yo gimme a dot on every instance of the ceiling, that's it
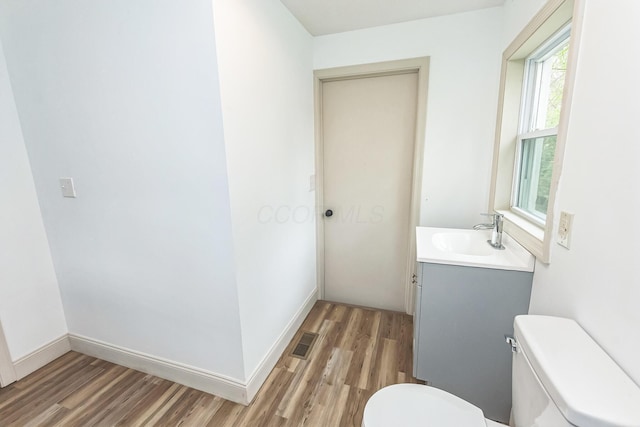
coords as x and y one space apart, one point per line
321 17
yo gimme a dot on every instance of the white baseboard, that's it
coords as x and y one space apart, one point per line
259 376
210 382
42 356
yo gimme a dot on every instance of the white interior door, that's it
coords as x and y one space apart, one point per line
368 133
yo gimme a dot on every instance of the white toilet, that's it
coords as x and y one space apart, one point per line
561 378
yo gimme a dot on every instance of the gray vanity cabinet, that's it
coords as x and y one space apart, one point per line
462 316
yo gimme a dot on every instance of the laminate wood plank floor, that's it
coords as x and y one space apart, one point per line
357 352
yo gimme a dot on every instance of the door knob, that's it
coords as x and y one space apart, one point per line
328 213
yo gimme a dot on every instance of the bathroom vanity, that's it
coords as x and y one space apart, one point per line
467 296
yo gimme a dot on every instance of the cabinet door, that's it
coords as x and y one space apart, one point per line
465 314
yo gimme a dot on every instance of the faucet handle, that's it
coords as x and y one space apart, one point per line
493 216
496 218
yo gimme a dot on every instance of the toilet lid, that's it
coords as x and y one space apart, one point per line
416 405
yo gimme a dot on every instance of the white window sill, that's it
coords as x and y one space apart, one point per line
528 234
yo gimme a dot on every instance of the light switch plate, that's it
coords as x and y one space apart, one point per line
564 229
66 185
312 182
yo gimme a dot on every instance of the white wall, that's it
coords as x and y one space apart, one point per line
465 52
597 281
517 14
30 305
123 97
266 77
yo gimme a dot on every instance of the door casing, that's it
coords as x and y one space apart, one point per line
7 371
419 65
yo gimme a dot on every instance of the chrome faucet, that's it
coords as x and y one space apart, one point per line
496 225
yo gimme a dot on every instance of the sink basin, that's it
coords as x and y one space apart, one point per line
462 243
470 248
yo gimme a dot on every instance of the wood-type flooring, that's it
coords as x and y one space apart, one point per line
357 352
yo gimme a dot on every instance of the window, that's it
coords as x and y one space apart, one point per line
536 83
543 86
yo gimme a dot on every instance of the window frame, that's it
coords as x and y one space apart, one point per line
540 54
527 129
554 16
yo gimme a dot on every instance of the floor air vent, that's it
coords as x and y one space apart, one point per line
303 346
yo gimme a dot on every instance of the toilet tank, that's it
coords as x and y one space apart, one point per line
561 377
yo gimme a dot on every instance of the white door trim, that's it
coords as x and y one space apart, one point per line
7 371
419 65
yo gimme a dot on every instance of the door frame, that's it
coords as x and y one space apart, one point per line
7 371
378 69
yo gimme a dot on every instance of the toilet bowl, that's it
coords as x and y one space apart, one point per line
416 405
561 378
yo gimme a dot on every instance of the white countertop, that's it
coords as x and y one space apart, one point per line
469 248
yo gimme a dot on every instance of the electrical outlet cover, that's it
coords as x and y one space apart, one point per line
564 229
